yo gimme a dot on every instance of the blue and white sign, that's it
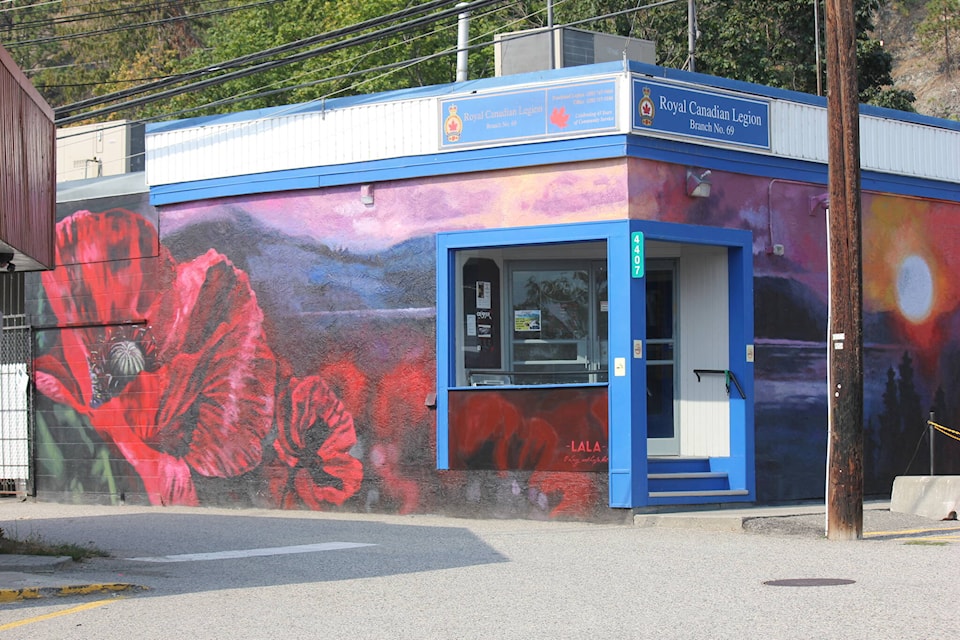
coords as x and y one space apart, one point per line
636 255
559 110
707 115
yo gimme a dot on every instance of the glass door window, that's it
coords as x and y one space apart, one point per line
559 327
661 359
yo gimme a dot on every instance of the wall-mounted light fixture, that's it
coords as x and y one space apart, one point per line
698 183
819 203
366 194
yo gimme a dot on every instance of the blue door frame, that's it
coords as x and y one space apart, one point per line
627 382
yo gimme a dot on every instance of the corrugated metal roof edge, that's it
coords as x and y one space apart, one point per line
677 75
538 154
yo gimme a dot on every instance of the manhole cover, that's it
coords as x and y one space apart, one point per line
808 582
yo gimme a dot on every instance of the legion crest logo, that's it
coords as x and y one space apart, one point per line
453 124
646 108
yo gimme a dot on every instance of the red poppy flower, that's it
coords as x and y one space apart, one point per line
316 433
492 427
191 388
405 431
348 383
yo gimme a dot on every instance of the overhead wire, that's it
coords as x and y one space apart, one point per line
250 58
266 66
386 70
247 96
140 25
127 10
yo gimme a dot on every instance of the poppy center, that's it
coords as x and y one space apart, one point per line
126 358
121 354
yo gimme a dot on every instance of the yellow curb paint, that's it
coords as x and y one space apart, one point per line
31 593
56 614
12 595
87 589
907 532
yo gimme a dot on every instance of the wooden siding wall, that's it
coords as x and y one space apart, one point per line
28 179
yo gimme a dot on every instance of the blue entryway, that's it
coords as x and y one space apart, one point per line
654 319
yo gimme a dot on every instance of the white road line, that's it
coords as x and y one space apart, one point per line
250 553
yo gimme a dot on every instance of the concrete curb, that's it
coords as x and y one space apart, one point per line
32 593
702 522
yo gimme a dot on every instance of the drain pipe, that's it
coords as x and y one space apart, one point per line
463 42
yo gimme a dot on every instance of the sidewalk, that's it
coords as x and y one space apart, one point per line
807 519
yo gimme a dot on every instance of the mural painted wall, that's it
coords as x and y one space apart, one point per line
911 316
279 350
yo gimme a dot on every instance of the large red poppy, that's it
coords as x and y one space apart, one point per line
169 362
316 433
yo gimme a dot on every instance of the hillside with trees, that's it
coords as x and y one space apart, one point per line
147 59
924 41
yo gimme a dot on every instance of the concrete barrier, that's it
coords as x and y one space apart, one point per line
936 497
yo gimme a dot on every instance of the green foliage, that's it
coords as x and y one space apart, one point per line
939 31
68 448
771 43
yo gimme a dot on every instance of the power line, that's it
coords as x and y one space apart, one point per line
265 66
55 18
386 70
245 59
89 84
127 27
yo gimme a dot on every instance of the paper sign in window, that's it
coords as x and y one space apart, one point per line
526 320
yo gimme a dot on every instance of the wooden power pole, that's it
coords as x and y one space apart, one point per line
845 322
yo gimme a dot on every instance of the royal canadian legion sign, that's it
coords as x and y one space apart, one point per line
697 113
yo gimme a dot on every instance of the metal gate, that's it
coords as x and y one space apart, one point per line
16 406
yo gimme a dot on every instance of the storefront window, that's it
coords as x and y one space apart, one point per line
554 326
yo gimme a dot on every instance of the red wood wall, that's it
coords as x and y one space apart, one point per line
28 191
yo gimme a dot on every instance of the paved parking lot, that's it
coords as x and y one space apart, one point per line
210 573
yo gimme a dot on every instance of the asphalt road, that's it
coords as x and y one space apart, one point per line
240 574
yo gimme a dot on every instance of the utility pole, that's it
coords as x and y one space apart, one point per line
845 322
691 35
816 44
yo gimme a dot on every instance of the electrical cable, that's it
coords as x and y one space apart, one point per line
266 66
389 67
249 58
59 19
128 27
328 79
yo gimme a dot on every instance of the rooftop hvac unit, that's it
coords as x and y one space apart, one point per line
540 49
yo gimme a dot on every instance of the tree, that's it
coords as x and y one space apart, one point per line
940 29
73 51
89 48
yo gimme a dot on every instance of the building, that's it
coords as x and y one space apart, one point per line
27 202
95 150
568 293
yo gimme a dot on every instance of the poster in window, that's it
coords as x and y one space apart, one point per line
483 295
481 306
525 320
